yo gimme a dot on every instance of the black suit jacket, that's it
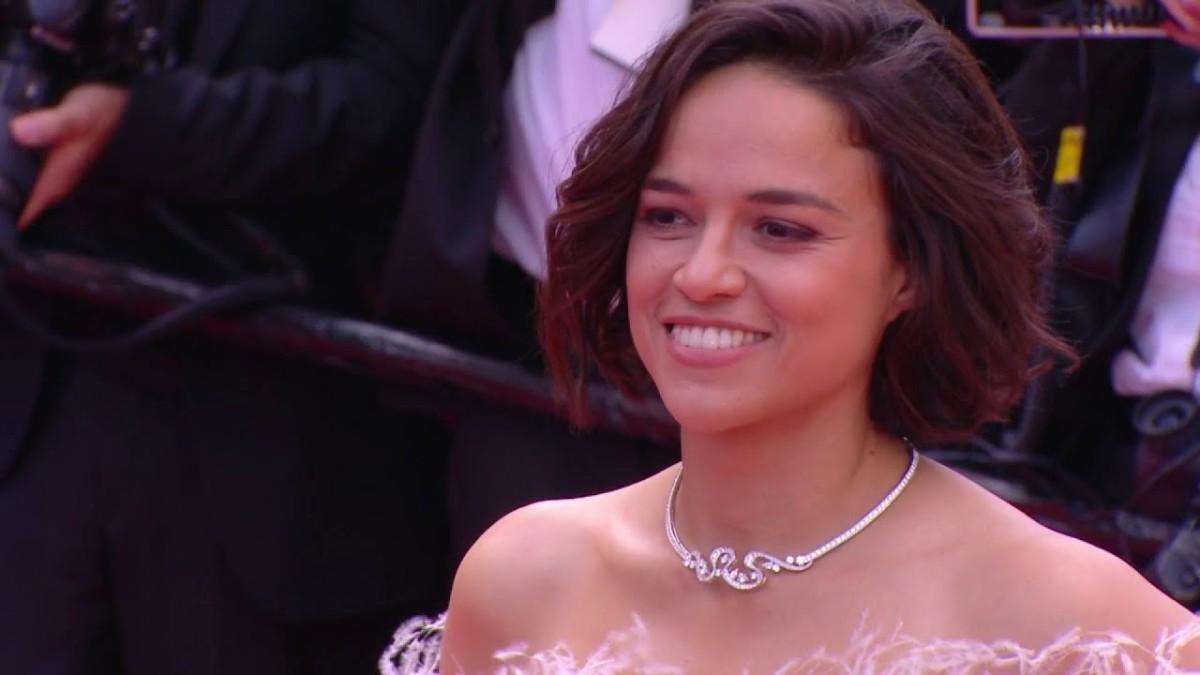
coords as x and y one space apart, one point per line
298 115
440 276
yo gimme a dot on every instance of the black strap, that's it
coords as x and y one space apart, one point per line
1096 246
247 293
241 293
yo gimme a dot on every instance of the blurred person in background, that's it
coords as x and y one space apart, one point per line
1128 272
1112 127
183 508
522 80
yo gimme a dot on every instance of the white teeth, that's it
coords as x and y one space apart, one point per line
711 337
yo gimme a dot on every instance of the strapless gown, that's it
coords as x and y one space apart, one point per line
417 644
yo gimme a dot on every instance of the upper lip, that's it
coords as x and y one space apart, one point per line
680 320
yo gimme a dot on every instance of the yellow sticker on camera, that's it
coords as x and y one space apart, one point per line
1070 155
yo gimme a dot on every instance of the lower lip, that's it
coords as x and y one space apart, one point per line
708 358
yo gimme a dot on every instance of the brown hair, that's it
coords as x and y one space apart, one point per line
964 220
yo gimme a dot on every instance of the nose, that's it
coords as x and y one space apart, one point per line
711 271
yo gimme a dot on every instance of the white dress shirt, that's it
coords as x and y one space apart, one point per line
1167 324
569 72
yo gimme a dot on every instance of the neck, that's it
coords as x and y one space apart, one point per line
784 486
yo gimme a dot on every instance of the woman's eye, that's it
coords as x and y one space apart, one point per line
663 218
777 230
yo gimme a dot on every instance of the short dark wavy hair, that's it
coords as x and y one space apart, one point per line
956 180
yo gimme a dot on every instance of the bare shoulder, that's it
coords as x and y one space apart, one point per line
505 580
1077 584
523 575
1027 581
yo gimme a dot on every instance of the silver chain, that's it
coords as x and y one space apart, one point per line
722 562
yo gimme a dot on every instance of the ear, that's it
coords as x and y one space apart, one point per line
904 295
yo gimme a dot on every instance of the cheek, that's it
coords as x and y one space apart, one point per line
801 297
834 309
637 280
645 279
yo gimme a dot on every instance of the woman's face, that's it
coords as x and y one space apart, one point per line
760 276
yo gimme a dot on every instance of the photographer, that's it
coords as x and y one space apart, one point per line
1139 101
1127 268
185 509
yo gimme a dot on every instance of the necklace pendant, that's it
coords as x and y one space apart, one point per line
747 580
752 573
722 562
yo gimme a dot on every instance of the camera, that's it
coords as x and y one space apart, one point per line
46 46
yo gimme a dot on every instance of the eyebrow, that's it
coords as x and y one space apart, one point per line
774 196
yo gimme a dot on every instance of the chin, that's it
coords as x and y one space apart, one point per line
708 414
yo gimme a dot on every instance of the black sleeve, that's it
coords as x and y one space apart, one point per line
273 135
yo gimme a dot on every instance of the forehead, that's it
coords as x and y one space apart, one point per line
747 127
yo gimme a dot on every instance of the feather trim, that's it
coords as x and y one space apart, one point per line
417 644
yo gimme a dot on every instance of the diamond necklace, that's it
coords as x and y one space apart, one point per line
721 563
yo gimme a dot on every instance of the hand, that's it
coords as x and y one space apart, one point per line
73 134
1184 26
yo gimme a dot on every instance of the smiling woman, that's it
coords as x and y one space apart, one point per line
935 156
807 227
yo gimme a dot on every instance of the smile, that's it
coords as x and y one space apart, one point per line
713 337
